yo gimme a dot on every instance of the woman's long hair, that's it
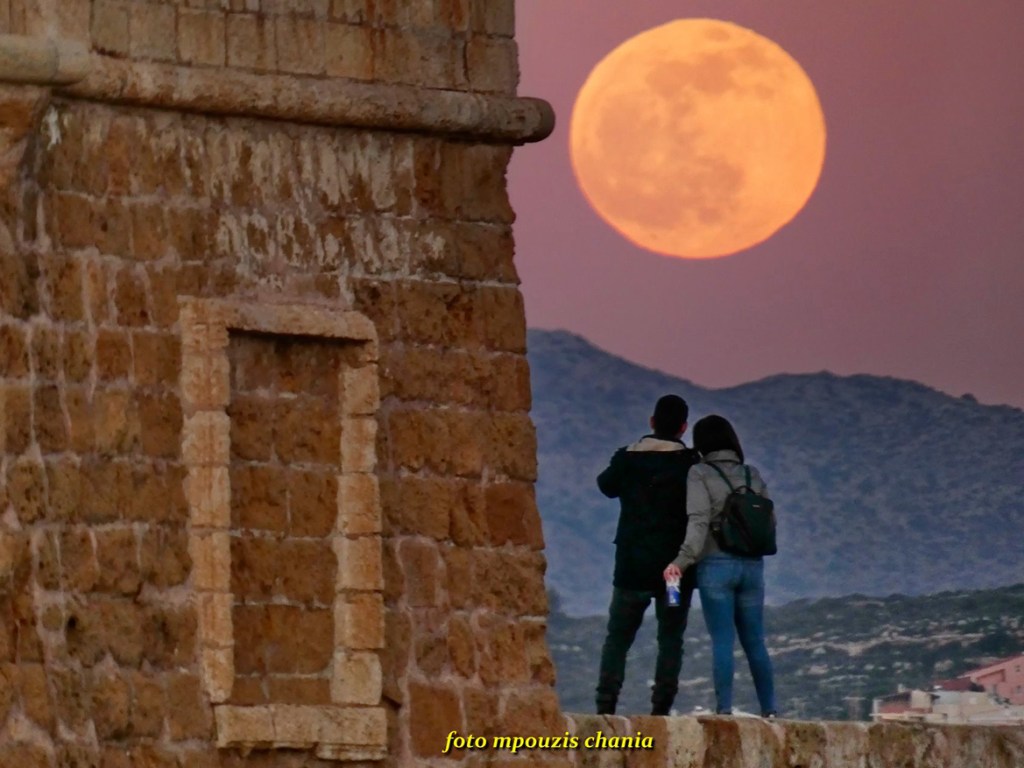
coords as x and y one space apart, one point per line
715 433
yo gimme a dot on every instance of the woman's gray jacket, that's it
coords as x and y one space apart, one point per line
705 498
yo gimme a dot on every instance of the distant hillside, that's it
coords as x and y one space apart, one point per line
831 657
882 486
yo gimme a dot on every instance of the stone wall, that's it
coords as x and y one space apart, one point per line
727 742
266 463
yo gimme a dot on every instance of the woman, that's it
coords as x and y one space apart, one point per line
731 587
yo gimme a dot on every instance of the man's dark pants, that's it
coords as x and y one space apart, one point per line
625 615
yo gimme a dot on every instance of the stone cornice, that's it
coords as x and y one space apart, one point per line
73 72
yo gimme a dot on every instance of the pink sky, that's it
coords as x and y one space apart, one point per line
907 261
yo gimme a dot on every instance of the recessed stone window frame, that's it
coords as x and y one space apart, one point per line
353 726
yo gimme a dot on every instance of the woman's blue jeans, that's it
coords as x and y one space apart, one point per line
732 599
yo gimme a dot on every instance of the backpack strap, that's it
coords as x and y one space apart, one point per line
746 475
722 475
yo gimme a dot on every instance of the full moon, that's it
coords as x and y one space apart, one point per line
697 139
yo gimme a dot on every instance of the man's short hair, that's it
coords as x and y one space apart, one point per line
670 414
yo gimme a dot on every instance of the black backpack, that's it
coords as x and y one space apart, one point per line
746 526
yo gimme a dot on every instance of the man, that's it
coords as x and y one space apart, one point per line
649 479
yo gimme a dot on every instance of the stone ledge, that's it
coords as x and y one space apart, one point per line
42 62
339 733
70 67
703 742
486 118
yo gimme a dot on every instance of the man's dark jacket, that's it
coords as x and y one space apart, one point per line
649 479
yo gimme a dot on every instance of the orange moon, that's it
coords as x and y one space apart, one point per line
697 139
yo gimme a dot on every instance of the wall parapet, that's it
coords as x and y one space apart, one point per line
484 117
725 742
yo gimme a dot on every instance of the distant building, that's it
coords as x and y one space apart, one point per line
1004 678
990 695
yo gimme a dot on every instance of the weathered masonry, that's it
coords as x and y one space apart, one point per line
266 461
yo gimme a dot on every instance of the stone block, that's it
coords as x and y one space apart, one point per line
250 42
205 382
359 621
117 552
26 490
436 313
15 418
151 31
306 430
252 427
360 389
14 361
208 490
313 503
468 521
259 499
509 582
35 698
462 646
78 356
63 281
419 440
130 297
538 656
467 431
283 639
512 515
300 45
359 563
503 318
79 566
163 556
113 354
150 236
206 439
244 725
348 51
358 504
50 425
353 725
297 690
423 506
357 678
218 673
111 706
492 64
421 565
160 421
480 706
295 725
502 651
115 421
147 713
536 711
493 17
211 561
214 614
301 571
201 37
513 446
434 711
110 27
458 576
358 444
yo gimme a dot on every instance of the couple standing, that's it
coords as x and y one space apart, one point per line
671 500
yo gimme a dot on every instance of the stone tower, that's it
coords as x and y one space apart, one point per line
266 463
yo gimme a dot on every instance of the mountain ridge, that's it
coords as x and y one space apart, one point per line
879 481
